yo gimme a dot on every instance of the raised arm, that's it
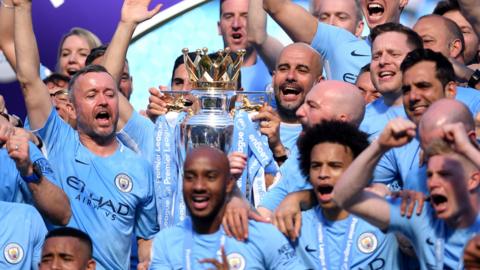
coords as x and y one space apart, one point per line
349 191
471 11
6 31
35 92
267 46
133 13
49 199
299 24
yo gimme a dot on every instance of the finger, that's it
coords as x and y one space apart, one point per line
421 202
252 214
154 11
212 261
280 225
244 221
403 204
239 226
226 228
231 225
298 223
288 220
224 256
411 206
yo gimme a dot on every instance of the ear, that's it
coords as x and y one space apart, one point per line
402 4
230 184
319 79
455 48
91 265
474 181
343 118
450 90
359 28
219 30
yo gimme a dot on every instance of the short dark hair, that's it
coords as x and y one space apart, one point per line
445 6
364 69
332 131
413 39
85 70
443 68
95 53
56 78
72 232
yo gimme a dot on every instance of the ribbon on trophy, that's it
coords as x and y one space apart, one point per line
167 166
248 140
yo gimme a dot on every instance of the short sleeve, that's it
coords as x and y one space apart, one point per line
159 258
138 134
146 224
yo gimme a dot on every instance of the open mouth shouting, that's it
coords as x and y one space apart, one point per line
325 191
374 14
386 75
290 91
103 117
439 203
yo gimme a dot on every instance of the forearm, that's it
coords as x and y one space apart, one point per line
144 250
471 11
6 32
297 22
114 61
36 95
472 154
357 176
51 201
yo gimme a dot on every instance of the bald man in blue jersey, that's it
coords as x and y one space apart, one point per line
207 184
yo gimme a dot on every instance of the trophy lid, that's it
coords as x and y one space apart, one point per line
217 71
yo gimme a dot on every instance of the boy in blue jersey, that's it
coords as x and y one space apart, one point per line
27 177
109 186
330 237
441 231
21 236
207 184
67 248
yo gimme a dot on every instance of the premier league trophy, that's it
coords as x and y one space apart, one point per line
214 83
206 115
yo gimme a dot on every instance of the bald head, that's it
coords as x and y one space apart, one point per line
443 111
441 34
216 156
312 57
332 100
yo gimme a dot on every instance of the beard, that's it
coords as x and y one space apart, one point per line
286 114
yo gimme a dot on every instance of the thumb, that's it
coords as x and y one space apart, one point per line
154 11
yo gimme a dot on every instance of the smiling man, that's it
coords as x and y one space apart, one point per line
207 184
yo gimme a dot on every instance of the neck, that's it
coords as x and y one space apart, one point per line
335 213
392 98
208 225
100 147
250 57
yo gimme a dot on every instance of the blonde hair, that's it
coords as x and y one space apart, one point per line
92 40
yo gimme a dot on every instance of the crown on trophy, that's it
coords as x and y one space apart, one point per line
220 73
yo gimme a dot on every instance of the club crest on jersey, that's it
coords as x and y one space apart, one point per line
123 182
367 242
236 261
13 253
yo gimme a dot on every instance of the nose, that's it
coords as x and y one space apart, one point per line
301 111
186 85
331 20
72 58
324 173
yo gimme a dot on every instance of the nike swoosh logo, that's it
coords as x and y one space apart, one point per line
307 249
354 53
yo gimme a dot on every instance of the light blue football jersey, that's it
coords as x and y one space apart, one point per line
377 115
255 77
111 197
289 134
22 234
368 247
12 187
344 54
437 245
265 248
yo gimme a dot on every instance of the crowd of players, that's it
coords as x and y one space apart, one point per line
375 138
